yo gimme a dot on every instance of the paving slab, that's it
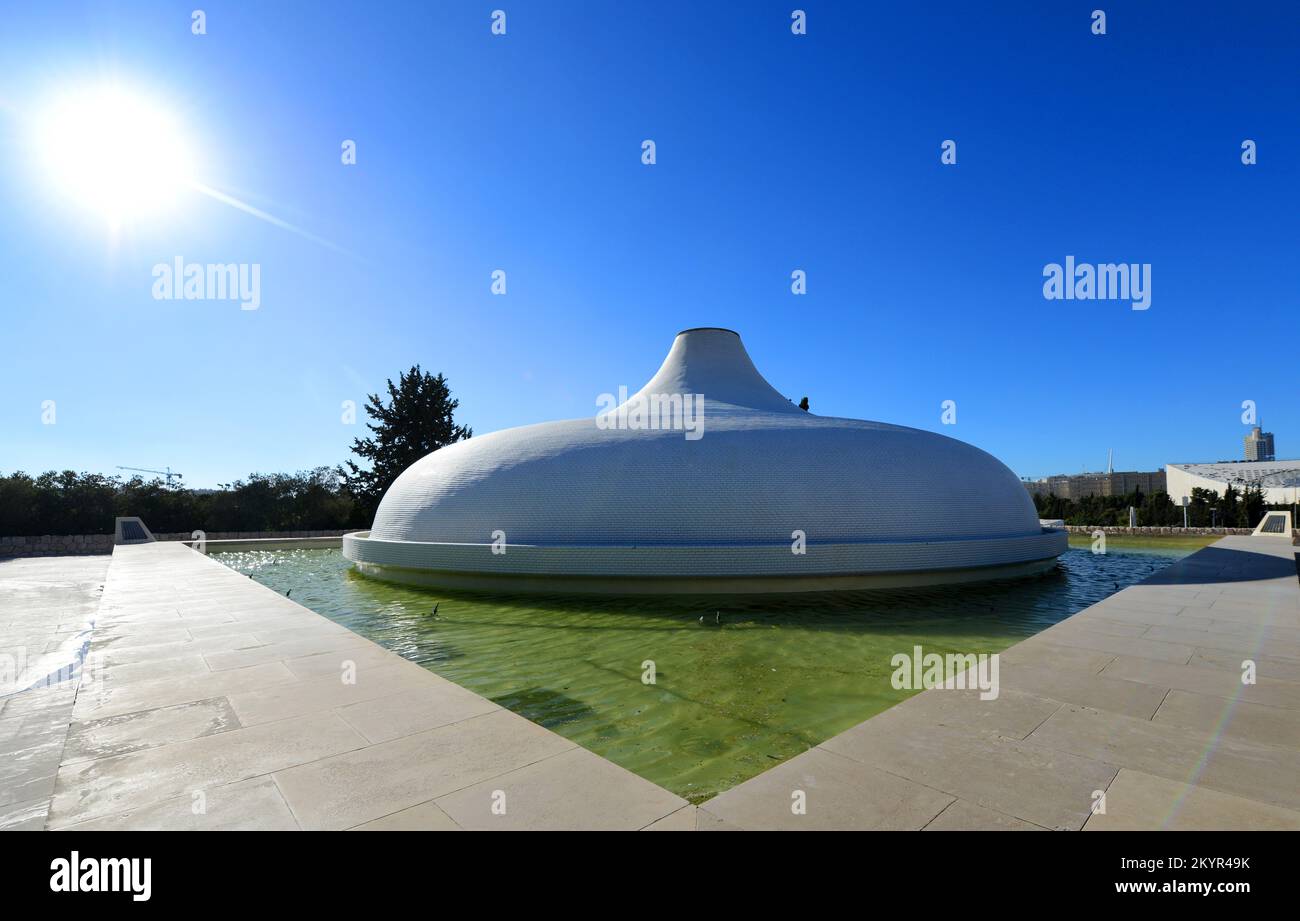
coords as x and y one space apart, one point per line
210 701
100 701
312 695
124 673
1082 637
25 816
1265 666
393 716
1260 772
824 791
1205 680
1250 722
1138 697
707 821
380 779
682 820
1035 783
1012 715
130 732
319 665
1046 654
574 790
1254 643
1102 690
964 816
249 805
109 653
424 817
1143 802
122 783
1087 623
47 608
28 773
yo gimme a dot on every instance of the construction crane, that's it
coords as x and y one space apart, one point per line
166 474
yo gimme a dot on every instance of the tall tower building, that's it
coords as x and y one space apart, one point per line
1259 445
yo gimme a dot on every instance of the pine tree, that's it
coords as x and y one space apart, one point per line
418 420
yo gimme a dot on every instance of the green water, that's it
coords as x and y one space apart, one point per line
740 684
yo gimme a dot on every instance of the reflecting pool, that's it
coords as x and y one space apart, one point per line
739 685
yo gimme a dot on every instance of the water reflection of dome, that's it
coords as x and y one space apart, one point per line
662 494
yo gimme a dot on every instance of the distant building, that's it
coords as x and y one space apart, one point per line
1116 483
1280 480
1259 445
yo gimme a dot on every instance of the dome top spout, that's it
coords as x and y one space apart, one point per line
713 362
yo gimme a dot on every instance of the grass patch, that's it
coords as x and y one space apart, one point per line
1149 541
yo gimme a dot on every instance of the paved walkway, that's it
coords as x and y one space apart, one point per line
209 701
47 605
1139 697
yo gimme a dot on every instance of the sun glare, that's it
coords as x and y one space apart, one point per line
114 152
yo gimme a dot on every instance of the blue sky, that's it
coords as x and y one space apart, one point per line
775 152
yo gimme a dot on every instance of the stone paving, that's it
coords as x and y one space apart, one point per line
1139 697
46 611
209 701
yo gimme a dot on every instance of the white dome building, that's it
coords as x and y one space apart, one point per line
737 490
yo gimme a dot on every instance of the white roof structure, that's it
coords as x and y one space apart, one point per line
1280 480
736 490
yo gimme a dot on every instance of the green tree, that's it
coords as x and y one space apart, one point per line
1160 511
66 502
1254 505
418 420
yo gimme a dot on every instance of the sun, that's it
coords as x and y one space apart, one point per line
114 152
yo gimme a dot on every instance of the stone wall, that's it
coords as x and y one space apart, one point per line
1170 532
82 544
